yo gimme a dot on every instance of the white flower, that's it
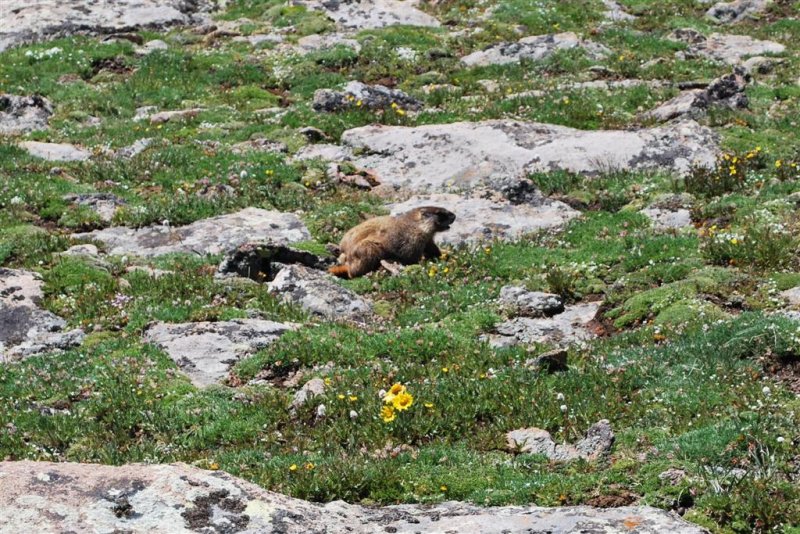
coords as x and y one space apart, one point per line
560 396
766 391
781 439
353 414
243 174
15 201
564 408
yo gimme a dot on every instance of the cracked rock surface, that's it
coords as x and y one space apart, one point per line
177 498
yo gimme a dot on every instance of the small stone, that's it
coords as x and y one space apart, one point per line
792 296
360 95
736 11
313 135
598 442
551 362
673 476
150 47
311 389
533 48
166 116
531 303
134 149
144 112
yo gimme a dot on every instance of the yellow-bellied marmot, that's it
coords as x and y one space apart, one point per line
404 238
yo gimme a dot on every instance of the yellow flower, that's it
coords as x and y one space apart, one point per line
429 405
733 171
353 398
488 250
778 164
403 401
388 414
432 272
309 466
327 381
213 466
359 103
394 391
758 149
340 396
293 467
445 369
443 487
394 105
400 111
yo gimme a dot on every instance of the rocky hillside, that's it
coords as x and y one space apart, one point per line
611 339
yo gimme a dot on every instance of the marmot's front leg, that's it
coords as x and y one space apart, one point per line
431 251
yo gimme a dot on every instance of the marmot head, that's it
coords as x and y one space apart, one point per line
434 218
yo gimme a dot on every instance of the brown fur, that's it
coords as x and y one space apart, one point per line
405 238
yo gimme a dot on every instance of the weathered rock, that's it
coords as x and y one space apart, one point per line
134 149
144 112
69 497
25 22
259 145
499 154
25 328
665 219
357 94
151 46
533 48
22 114
792 296
372 14
598 441
105 205
736 11
672 476
761 65
483 219
55 151
615 13
260 38
261 261
727 91
326 41
166 116
731 49
311 389
594 85
551 361
318 293
568 327
530 303
208 236
206 351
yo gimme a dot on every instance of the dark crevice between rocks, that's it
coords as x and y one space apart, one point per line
262 261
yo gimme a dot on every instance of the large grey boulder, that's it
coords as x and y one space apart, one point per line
177 498
357 94
22 114
372 14
533 48
482 219
55 151
215 235
570 326
24 22
723 47
598 441
25 328
499 154
206 351
736 11
615 13
318 293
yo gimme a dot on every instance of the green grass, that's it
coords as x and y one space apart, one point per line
689 315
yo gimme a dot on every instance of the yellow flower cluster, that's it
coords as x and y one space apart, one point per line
397 109
396 400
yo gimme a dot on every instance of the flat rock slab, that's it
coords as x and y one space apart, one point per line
481 219
318 293
723 47
372 14
55 151
792 296
177 498
499 154
530 303
568 327
206 351
22 114
215 235
25 328
105 205
24 22
534 48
